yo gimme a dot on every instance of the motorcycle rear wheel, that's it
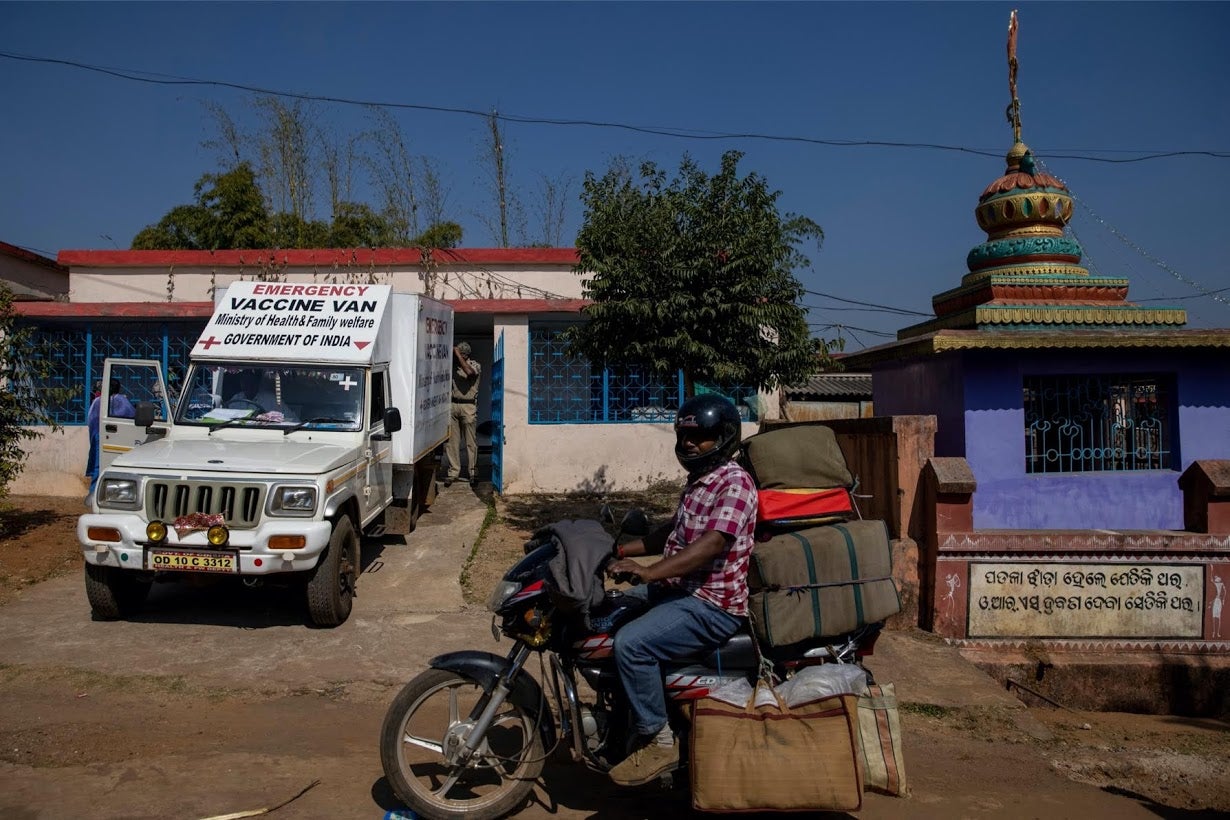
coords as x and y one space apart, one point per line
427 720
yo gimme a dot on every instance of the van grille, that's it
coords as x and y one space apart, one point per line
240 504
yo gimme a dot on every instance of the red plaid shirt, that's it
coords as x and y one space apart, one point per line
723 500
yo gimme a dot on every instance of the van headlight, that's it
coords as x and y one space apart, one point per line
119 492
294 500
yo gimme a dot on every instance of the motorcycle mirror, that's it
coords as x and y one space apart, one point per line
635 522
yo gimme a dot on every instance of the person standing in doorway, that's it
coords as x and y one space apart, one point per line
463 419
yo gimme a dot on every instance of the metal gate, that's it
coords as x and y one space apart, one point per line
497 416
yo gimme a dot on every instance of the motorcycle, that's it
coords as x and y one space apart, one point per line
469 736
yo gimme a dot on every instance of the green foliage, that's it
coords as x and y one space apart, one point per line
229 212
23 401
696 272
439 235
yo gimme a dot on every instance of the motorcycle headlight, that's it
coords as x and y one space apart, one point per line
118 492
502 592
293 501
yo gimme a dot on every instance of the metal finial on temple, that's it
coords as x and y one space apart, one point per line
1014 108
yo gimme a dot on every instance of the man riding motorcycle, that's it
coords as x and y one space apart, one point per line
698 591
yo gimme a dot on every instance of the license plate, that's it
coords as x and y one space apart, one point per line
186 561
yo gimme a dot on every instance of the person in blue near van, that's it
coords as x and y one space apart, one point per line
119 407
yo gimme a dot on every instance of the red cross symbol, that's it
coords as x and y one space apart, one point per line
211 341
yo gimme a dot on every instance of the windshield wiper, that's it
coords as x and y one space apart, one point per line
317 420
213 428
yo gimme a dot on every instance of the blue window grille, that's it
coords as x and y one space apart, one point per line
76 351
1083 424
565 389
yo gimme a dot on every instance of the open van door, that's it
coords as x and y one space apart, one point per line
131 388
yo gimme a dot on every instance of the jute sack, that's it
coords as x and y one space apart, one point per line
821 582
804 455
879 743
781 758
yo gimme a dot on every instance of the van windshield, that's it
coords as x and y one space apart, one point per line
240 394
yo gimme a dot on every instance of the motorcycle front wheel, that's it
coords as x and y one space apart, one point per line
421 745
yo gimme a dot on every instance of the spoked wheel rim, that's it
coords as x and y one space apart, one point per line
430 751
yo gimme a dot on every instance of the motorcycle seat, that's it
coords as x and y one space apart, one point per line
738 652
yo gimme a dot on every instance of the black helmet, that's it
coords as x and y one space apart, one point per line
715 416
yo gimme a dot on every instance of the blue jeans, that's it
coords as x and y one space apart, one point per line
676 626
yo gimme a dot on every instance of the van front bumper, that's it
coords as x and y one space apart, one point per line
250 547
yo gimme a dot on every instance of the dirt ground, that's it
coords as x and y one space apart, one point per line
61 717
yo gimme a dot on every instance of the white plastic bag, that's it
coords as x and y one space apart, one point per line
812 683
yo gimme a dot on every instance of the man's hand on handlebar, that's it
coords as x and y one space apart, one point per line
627 571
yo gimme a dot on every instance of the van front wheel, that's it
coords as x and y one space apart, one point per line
331 587
114 592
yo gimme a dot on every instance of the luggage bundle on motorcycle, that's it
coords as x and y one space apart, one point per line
816 575
801 476
821 582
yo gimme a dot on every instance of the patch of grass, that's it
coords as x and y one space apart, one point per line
927 710
467 568
85 680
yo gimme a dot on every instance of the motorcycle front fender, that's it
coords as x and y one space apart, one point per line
484 668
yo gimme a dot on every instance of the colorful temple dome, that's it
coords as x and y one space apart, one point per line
1027 275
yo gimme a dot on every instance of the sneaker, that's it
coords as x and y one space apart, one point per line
448 482
647 763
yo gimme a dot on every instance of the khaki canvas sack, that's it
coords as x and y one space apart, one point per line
782 758
879 743
821 582
804 455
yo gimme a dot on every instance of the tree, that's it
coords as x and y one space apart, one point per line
695 273
24 401
507 218
229 213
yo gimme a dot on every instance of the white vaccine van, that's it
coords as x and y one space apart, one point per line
310 415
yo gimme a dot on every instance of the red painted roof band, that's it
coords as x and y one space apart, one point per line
324 257
31 257
203 310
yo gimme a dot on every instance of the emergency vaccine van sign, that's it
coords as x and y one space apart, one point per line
281 320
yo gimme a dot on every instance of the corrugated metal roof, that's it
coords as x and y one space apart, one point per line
832 385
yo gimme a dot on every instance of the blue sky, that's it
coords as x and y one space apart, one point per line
84 156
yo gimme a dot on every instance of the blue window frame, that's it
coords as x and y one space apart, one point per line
565 389
77 350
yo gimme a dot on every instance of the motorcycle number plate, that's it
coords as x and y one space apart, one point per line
495 630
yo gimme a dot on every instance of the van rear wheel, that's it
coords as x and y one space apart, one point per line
114 593
331 587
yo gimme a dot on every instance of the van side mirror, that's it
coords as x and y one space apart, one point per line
145 415
392 420
392 423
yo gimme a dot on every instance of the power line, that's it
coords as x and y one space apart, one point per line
818 326
868 304
1180 298
682 133
1212 294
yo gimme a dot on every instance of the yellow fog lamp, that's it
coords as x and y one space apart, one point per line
218 535
156 531
287 542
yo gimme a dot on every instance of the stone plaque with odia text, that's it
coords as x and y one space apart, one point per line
1064 600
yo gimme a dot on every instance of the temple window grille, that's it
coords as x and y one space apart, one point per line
1086 424
565 389
77 350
